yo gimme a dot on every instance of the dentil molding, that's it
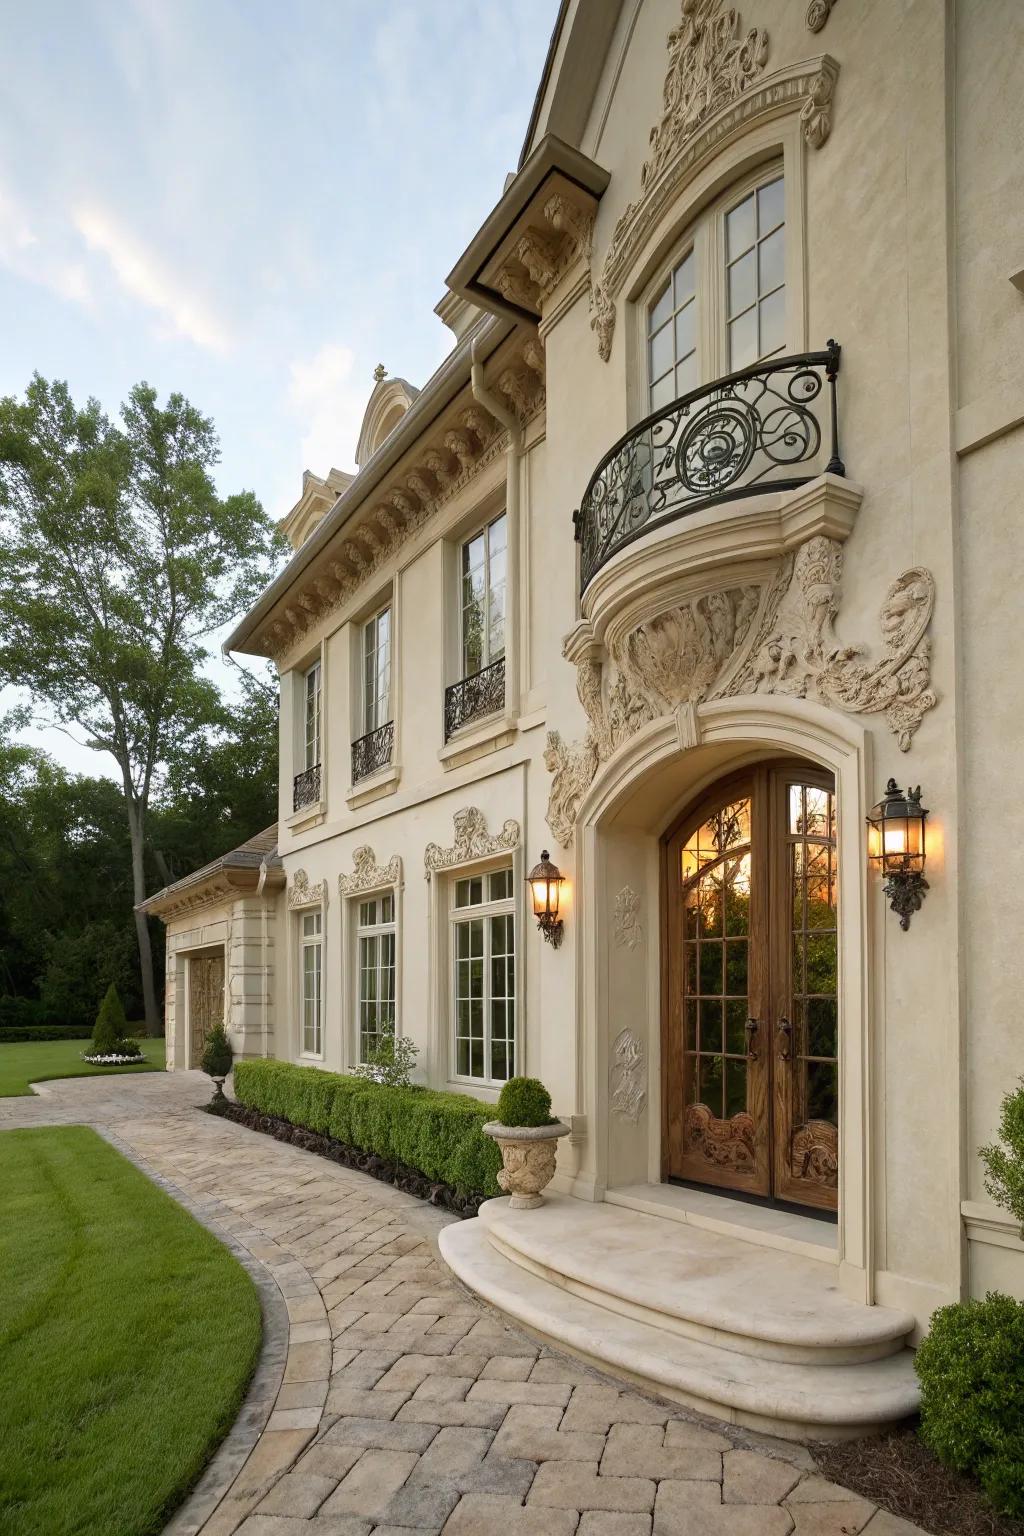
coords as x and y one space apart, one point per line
776 635
368 875
472 842
715 85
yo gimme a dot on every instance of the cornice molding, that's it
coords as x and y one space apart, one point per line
472 842
368 875
459 447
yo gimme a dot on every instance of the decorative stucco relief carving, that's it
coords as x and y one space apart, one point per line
472 841
715 83
798 653
367 874
775 638
818 12
304 893
628 1076
629 933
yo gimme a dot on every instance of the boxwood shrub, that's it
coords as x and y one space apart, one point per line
971 1370
440 1134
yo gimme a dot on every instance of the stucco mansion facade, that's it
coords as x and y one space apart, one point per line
708 526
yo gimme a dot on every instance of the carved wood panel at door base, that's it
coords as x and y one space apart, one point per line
815 1153
724 1143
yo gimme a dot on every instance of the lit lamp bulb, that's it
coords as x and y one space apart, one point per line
896 848
545 881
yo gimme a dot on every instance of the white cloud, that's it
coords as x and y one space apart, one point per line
142 274
23 253
330 402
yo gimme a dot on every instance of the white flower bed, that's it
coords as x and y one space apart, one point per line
115 1059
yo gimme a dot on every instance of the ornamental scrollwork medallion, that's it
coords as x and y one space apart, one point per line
472 841
629 933
818 12
628 1076
306 893
368 875
774 637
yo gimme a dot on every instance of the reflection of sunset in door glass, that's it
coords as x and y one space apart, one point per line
716 921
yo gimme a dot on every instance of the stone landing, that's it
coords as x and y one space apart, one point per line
755 1336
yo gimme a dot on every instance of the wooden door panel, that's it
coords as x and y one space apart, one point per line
751 1015
718 1098
205 999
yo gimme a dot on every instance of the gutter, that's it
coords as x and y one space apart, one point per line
439 390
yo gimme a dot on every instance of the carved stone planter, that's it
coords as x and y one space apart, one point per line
528 1153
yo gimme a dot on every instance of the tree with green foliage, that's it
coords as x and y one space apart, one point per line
118 560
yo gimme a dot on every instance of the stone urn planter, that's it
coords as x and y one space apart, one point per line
528 1153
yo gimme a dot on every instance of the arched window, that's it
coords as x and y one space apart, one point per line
722 304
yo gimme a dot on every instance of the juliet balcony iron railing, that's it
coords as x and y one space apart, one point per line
473 697
739 436
306 788
372 752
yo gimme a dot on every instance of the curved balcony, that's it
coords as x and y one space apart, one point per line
740 436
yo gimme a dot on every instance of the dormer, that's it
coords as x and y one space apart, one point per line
388 403
317 499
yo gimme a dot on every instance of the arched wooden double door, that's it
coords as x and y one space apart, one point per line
751 1018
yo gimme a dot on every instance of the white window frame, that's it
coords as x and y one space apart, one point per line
312 738
376 709
378 930
705 235
485 911
487 659
309 942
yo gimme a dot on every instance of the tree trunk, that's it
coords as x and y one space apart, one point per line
154 1013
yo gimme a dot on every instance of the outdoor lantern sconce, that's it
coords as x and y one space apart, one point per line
545 881
896 848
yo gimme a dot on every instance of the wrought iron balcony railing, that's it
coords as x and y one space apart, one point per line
306 788
739 436
372 752
473 697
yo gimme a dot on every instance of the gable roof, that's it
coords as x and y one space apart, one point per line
239 868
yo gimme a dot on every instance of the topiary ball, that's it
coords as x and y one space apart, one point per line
524 1101
971 1370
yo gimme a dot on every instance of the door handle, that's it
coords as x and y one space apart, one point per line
786 1031
752 1027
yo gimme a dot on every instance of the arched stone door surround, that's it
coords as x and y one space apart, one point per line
637 795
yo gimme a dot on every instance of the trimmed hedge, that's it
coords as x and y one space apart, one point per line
30 1013
440 1134
12 1036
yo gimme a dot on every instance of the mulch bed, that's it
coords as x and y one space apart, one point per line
409 1180
899 1473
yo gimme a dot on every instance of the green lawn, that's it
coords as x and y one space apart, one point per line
38 1061
128 1335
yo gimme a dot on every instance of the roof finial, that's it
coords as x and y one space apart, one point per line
380 373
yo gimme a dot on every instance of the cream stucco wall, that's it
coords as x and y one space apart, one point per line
904 227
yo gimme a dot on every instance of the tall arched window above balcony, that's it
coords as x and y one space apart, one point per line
720 302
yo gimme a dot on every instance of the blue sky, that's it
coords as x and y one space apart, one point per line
251 202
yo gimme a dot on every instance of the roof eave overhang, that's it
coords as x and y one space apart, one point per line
552 164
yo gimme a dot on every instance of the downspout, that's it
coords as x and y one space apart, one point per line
264 961
513 478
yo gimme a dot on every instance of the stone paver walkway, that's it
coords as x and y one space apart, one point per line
397 1404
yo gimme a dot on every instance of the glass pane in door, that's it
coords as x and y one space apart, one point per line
715 867
814 954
